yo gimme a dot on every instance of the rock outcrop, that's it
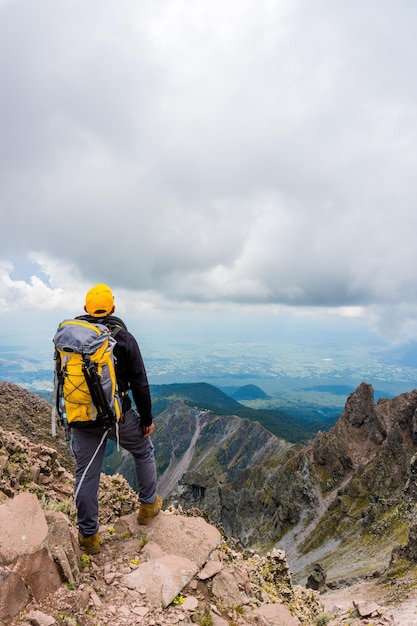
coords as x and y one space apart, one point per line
37 552
354 485
177 569
25 413
342 502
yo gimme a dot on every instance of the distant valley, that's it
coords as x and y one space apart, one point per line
288 425
278 384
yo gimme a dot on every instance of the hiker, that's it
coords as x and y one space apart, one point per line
133 431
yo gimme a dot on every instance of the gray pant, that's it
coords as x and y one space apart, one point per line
85 442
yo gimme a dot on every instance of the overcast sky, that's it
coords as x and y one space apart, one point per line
217 156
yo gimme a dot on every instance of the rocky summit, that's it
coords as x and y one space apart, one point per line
347 499
342 509
180 569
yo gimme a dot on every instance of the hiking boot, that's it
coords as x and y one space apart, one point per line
89 545
148 511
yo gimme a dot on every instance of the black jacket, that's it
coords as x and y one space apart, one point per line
130 369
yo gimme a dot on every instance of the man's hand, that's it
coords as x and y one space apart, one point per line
148 430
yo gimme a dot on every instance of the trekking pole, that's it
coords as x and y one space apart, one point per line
59 415
63 422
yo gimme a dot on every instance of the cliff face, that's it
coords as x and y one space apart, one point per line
203 449
364 475
347 499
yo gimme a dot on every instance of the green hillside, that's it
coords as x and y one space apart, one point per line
201 395
283 424
249 392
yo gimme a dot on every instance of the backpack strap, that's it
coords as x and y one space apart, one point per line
113 323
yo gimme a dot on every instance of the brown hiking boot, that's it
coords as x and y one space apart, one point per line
89 545
148 511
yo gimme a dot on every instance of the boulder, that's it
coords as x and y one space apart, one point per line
161 579
39 572
34 557
63 546
210 569
23 528
177 548
14 594
317 578
275 615
191 537
230 586
367 609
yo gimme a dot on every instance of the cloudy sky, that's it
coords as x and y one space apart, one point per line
211 160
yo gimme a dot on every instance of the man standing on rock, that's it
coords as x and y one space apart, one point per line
134 429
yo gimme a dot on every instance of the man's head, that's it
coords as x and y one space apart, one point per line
99 301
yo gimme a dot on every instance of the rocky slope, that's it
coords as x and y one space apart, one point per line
214 445
180 569
347 501
30 416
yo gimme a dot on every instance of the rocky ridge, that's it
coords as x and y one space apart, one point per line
346 500
25 413
180 569
99 597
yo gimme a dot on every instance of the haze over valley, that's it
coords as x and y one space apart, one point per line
294 376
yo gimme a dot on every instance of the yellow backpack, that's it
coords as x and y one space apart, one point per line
85 378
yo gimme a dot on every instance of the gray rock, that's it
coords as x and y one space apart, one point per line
228 586
275 615
37 618
162 579
14 594
366 609
23 528
317 578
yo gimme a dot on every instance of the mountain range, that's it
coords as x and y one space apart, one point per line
346 499
288 425
297 425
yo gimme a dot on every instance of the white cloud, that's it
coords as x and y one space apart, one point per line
245 153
